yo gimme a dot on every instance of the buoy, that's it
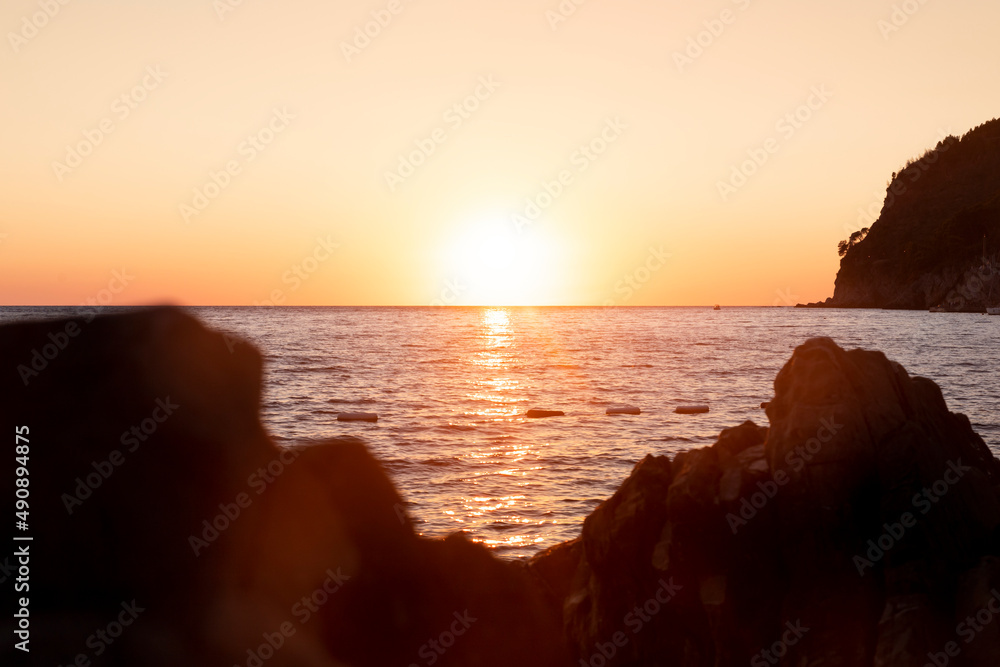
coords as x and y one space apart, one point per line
623 410
691 409
357 417
539 414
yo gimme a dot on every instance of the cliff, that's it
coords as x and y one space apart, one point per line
926 249
859 529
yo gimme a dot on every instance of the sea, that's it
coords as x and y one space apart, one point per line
451 387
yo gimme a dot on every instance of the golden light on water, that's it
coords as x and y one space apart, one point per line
496 318
498 398
501 393
512 542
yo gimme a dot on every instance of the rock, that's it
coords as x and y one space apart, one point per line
977 600
219 538
127 535
691 409
910 629
555 569
821 523
357 417
541 414
734 441
617 542
623 410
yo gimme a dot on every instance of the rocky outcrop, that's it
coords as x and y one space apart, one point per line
155 493
860 528
936 242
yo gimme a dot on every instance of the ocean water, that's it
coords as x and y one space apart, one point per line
451 386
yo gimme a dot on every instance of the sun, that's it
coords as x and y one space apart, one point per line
498 265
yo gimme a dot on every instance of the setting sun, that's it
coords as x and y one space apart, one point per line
493 264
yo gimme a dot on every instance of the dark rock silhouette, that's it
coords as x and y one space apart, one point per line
860 529
926 249
221 538
153 485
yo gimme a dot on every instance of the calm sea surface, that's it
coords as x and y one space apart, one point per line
450 387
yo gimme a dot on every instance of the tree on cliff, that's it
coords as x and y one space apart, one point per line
856 238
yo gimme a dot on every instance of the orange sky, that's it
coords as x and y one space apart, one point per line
235 152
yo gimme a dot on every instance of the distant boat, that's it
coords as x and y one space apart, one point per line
993 311
938 309
717 307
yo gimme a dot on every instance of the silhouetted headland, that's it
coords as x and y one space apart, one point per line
936 243
859 529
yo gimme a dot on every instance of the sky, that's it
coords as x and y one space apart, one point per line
418 152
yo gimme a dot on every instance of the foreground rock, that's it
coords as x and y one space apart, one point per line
860 529
154 486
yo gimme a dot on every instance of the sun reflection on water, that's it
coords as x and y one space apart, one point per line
503 462
494 391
